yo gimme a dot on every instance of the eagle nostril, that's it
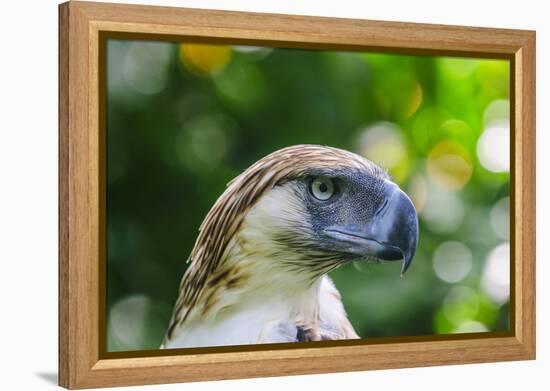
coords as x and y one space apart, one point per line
381 209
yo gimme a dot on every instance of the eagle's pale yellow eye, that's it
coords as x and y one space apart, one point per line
322 188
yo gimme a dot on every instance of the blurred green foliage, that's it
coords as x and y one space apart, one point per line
183 120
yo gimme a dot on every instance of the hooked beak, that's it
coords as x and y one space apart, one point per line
391 235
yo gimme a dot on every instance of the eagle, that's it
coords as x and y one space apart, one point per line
258 270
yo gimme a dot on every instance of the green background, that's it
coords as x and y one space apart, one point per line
183 120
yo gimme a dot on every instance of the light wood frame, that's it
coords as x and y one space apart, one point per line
82 362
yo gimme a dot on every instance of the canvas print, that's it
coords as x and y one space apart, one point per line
261 195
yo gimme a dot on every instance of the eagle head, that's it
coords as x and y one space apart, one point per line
324 207
281 225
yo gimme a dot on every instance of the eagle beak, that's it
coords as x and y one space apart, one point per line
395 228
391 235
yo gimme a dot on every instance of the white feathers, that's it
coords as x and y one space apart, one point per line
278 212
270 315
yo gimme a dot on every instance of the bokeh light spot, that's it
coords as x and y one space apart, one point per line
495 279
129 321
382 143
145 66
418 191
452 261
471 326
457 68
493 147
456 128
242 85
415 100
500 218
203 142
497 110
449 165
253 52
205 60
443 211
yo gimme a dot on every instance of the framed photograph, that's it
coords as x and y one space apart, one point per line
247 195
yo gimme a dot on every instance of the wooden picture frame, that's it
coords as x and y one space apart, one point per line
83 28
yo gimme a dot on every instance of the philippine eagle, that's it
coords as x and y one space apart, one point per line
258 270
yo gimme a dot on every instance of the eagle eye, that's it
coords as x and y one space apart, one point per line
322 188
